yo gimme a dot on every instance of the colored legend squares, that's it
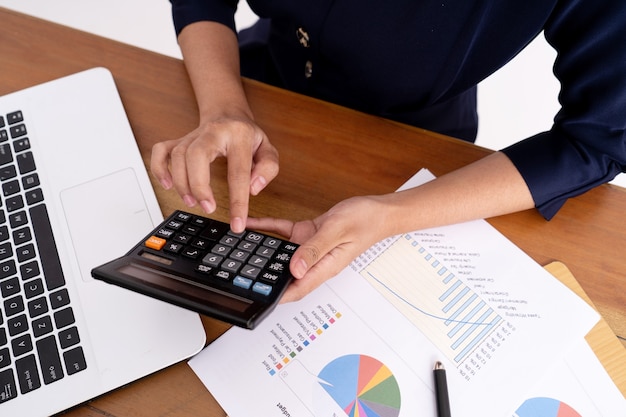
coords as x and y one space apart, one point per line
291 339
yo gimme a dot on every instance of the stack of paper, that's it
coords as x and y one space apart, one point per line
510 335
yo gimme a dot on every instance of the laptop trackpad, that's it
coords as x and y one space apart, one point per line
106 218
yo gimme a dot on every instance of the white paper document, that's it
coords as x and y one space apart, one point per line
365 342
575 386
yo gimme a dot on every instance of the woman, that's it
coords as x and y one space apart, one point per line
417 62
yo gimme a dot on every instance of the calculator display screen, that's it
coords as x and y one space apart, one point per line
171 282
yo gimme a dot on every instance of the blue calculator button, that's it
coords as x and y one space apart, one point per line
242 282
261 288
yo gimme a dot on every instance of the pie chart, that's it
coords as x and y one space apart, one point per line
545 407
362 386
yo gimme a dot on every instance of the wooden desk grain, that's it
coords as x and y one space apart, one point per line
328 153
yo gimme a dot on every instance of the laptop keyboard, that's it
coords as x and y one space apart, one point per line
39 339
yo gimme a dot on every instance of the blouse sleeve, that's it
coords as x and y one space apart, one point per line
185 12
587 143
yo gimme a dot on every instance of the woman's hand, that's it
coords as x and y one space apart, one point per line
184 164
329 242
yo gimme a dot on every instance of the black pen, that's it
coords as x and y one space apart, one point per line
441 390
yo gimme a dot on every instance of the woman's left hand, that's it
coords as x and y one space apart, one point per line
329 242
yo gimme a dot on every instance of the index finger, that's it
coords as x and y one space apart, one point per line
239 169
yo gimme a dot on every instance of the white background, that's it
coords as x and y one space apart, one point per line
516 102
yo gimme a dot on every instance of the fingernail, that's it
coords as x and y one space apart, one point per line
258 185
237 225
207 206
300 268
189 200
165 183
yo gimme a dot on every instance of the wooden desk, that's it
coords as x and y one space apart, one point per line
327 154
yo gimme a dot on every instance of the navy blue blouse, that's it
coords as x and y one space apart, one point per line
419 62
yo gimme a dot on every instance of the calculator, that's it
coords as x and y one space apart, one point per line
198 263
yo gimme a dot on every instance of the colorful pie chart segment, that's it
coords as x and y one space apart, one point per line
362 386
545 407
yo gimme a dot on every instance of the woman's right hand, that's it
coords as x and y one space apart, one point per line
184 164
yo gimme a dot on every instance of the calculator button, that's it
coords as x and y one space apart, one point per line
200 222
173 247
181 238
290 247
258 261
212 259
220 249
254 237
156 243
215 231
242 282
270 276
231 266
173 224
283 257
204 269
265 252
250 271
200 243
183 217
192 253
272 242
164 233
240 255
247 246
229 240
276 267
262 288
191 230
225 275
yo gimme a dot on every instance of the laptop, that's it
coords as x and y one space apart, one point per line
75 194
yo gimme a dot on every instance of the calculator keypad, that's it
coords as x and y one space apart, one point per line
250 261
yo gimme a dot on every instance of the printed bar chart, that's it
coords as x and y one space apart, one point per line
449 313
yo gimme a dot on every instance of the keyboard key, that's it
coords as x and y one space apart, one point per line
18 131
25 162
29 270
42 326
30 181
7 172
14 203
21 145
21 236
59 298
8 390
5 357
18 219
15 117
17 325
69 337
64 318
6 250
22 345
33 288
7 269
11 187
6 154
50 360
74 360
50 263
34 196
14 305
37 307
27 374
9 287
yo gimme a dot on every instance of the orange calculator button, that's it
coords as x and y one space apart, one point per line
154 242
